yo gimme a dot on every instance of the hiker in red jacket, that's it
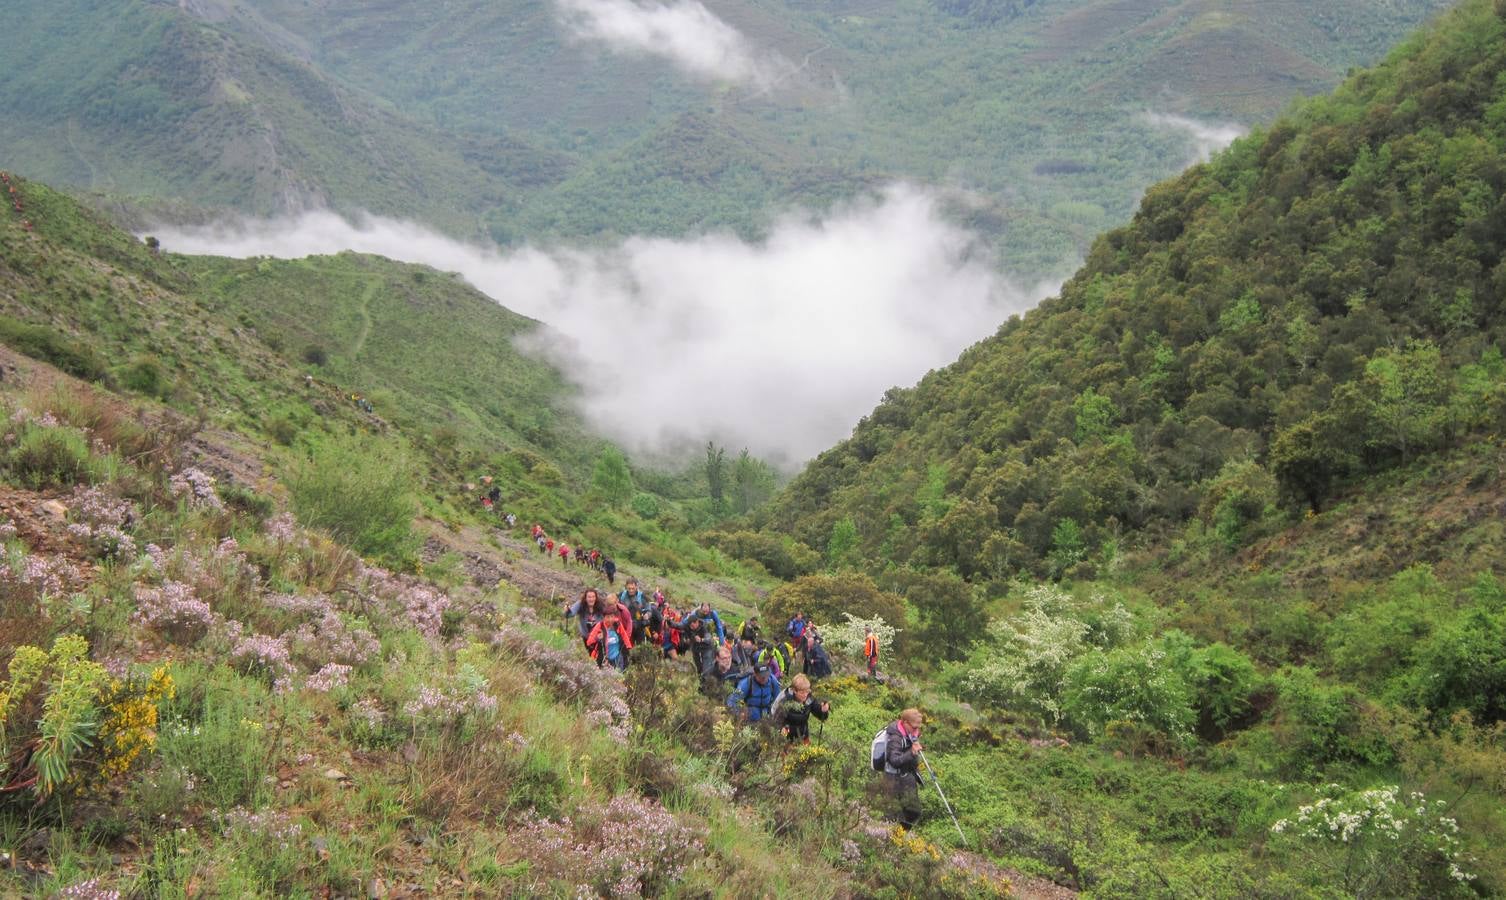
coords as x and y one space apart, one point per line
564 554
609 643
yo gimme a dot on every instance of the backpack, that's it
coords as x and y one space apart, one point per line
879 752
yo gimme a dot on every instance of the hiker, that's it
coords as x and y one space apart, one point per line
870 650
637 604
564 554
588 610
512 520
817 663
901 765
654 620
794 708
777 655
494 495
596 559
720 675
756 693
609 567
706 614
537 532
796 627
609 643
750 629
669 632
693 632
744 656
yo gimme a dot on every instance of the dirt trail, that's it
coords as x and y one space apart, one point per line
512 559
372 286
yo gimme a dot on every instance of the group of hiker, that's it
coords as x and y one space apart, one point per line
745 669
752 673
15 200
592 559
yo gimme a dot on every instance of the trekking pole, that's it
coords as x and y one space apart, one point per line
937 783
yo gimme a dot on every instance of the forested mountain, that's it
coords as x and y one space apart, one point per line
485 118
1319 303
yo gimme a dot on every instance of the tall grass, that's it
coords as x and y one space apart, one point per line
360 492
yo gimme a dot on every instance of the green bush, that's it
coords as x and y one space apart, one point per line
242 499
1222 681
147 375
358 491
646 506
826 597
1321 725
53 456
41 342
782 556
1462 666
1138 685
283 430
1238 501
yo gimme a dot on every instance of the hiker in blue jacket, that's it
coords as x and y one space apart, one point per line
757 693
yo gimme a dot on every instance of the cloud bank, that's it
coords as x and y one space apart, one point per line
1207 137
779 345
684 32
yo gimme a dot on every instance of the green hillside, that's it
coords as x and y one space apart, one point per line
144 99
1196 570
284 352
491 118
233 341
1316 305
426 346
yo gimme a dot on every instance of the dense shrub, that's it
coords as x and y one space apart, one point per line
359 492
781 556
147 375
646 506
826 598
52 455
1322 725
1137 685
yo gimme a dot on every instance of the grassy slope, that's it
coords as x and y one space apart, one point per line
429 349
212 326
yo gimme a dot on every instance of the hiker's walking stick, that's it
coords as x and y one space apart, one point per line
944 802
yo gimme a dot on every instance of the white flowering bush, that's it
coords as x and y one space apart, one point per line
1379 841
847 637
1024 659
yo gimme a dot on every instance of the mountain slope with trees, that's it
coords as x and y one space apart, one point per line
1319 303
492 120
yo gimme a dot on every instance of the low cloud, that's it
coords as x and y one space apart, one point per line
1207 137
684 32
779 345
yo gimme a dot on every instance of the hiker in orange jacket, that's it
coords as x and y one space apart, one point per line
871 650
